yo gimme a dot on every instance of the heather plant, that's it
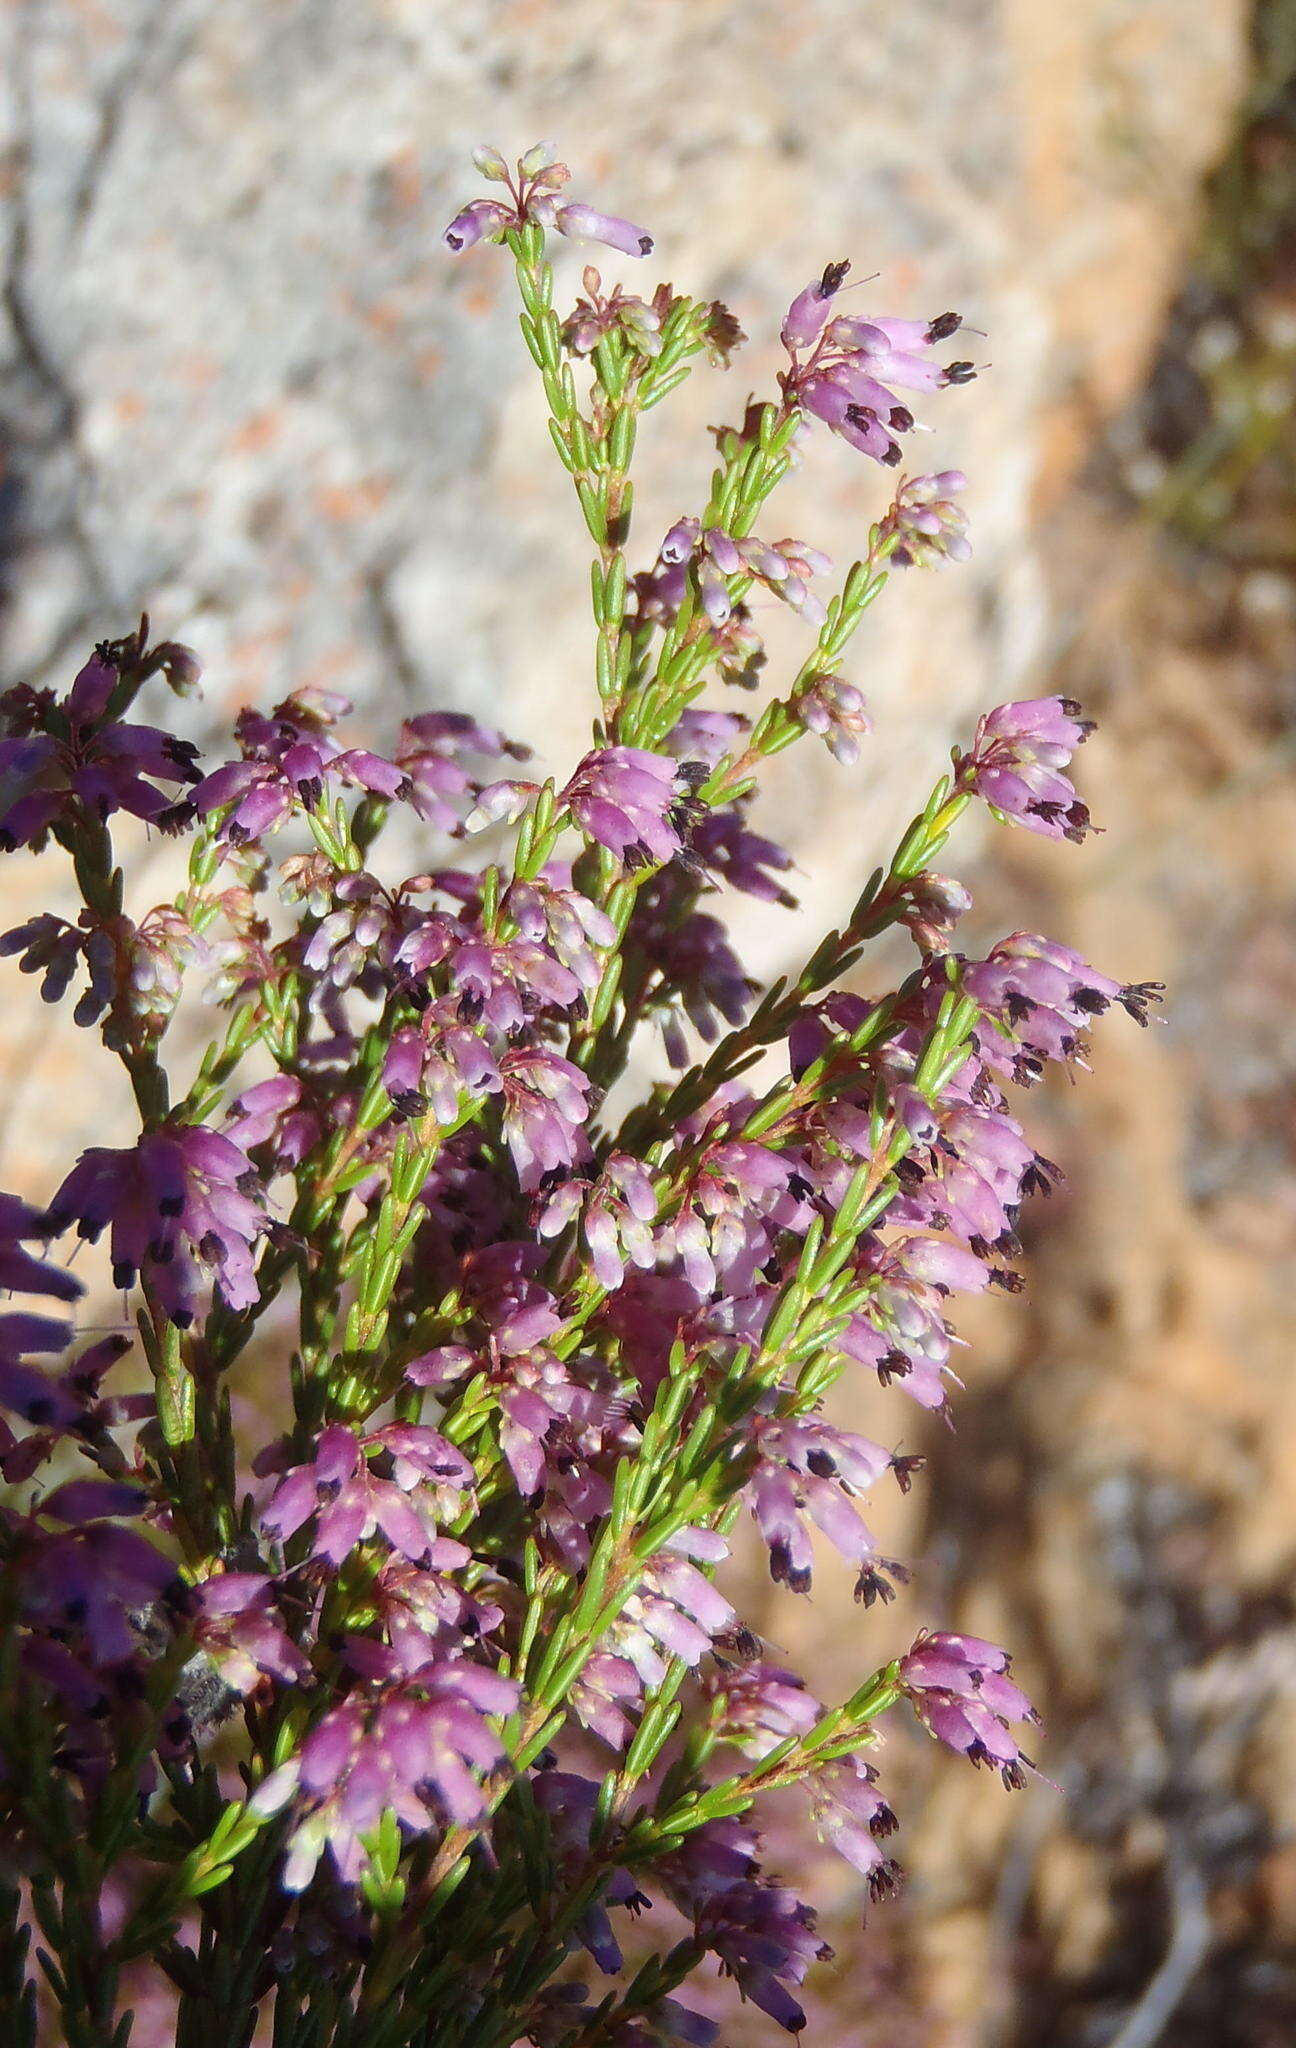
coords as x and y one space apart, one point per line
430 1720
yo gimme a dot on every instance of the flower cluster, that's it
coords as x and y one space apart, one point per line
844 367
535 187
365 1580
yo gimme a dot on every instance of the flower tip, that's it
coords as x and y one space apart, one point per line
490 163
542 156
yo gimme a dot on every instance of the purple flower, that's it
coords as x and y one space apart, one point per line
437 1063
397 1481
569 1805
737 648
722 843
808 1469
183 1203
480 220
288 759
546 1103
854 1818
931 906
1043 997
803 322
534 1391
784 567
835 710
236 1623
925 524
504 982
847 379
969 1177
51 947
353 936
675 1611
664 2024
1016 765
93 1582
156 955
739 1196
758 1706
582 1451
586 224
761 1934
607 1692
617 1214
567 922
703 735
58 1403
903 1334
274 1113
417 1752
533 187
631 801
23 1271
424 1611
72 754
24 1389
962 1693
695 969
428 754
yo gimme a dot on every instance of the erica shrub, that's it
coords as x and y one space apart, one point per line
392 1729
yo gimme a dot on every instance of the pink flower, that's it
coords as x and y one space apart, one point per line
182 1203
925 524
236 1622
631 801
546 1102
835 710
961 1691
1016 765
854 1818
850 377
417 1751
344 1489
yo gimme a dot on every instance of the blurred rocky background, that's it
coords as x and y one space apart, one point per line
244 388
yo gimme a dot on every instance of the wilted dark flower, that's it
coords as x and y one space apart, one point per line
616 312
